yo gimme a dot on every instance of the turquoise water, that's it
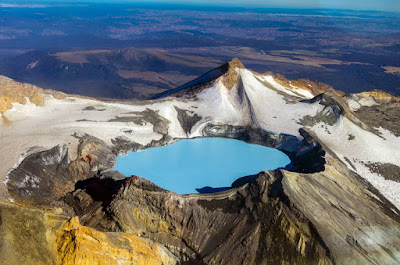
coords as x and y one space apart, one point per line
192 164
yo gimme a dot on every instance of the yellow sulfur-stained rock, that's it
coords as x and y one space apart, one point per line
376 94
78 244
33 236
15 92
230 77
27 235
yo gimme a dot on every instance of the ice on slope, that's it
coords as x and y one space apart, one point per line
251 102
216 105
259 105
272 111
364 148
357 103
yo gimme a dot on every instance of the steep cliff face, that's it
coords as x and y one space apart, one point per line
337 204
343 210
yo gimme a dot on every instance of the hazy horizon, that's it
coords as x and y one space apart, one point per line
361 5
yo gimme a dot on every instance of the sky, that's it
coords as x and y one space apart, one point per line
378 5
381 5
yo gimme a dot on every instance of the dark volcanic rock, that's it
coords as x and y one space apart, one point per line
386 170
254 224
187 119
307 155
159 122
41 177
208 189
384 115
227 71
45 177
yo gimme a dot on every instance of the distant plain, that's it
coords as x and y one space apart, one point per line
138 50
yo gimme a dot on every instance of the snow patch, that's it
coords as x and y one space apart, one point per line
367 102
353 105
364 148
305 93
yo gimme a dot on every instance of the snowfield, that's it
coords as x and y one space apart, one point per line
255 100
364 148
